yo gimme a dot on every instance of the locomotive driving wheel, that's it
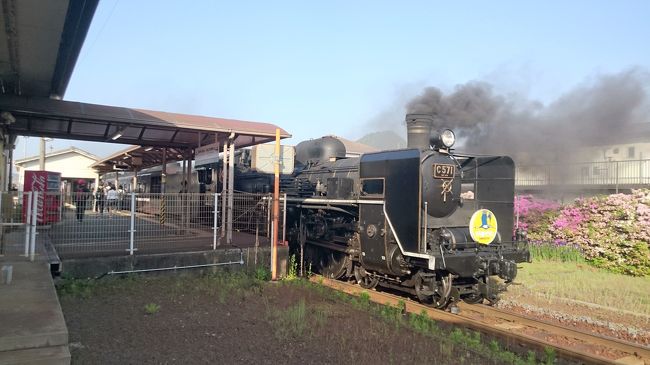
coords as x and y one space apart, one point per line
432 292
332 264
365 281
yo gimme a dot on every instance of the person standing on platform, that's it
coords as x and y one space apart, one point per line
81 196
120 198
111 199
100 200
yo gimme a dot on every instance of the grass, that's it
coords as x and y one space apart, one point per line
582 282
298 320
223 283
551 252
81 288
449 342
226 284
262 273
151 308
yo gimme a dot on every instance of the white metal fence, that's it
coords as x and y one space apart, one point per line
19 214
89 224
609 173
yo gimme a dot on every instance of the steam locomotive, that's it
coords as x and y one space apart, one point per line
423 220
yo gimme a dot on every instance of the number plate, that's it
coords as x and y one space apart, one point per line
443 171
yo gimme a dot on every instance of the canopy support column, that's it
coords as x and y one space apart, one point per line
231 188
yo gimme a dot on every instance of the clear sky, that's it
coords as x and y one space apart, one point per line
331 67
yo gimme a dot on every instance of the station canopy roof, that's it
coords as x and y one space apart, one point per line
149 157
43 40
40 44
179 133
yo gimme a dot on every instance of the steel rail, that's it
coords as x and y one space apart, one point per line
635 353
594 339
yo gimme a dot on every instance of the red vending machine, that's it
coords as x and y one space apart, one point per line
48 185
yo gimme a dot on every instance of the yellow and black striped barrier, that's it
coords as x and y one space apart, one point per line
163 210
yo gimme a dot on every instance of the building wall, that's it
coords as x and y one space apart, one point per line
616 164
619 152
70 165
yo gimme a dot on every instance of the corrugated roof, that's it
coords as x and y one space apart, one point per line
213 124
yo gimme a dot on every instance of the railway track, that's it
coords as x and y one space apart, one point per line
518 332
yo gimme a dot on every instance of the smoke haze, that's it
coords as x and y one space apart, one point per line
600 111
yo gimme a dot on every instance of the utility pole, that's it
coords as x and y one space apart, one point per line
41 158
276 208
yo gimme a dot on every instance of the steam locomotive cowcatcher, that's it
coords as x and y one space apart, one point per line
422 220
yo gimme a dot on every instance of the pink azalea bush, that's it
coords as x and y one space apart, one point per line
612 231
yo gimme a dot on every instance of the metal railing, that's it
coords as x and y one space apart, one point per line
19 214
596 174
88 224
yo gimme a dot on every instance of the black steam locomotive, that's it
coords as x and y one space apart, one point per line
422 219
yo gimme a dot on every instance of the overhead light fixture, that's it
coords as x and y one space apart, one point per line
119 133
148 149
8 118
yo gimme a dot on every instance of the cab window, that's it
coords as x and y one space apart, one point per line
372 187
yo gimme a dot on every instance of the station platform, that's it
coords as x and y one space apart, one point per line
109 235
32 326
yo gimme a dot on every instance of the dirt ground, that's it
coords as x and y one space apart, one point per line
194 320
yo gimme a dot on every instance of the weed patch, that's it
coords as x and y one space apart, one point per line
262 273
296 321
227 285
292 271
151 308
80 288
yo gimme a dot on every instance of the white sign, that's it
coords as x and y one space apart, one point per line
207 154
263 159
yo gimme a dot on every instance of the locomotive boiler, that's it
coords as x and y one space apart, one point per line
422 219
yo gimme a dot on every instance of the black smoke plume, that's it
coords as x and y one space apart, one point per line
608 109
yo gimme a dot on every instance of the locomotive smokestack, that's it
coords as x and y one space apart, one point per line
418 127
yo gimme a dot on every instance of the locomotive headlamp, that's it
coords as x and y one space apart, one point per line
443 139
448 138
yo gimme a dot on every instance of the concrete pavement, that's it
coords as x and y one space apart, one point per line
32 327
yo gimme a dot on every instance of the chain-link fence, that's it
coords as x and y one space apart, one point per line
174 221
251 213
18 212
99 224
91 224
